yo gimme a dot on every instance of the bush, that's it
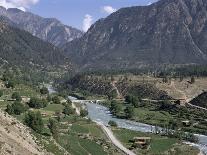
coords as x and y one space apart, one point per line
16 96
10 84
56 100
68 110
129 112
44 91
53 126
112 123
16 108
37 103
83 113
1 93
34 121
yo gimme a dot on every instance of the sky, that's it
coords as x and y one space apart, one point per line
76 13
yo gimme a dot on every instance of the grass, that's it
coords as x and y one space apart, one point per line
87 128
78 146
151 116
54 107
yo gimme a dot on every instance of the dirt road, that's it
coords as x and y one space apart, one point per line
114 140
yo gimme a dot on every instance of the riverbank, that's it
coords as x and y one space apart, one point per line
101 114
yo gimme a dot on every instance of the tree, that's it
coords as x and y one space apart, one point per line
115 108
53 126
1 93
37 103
83 112
16 108
10 84
68 110
56 100
111 95
129 112
9 109
192 80
34 121
16 96
135 101
112 123
44 91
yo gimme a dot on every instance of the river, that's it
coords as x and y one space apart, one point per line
102 114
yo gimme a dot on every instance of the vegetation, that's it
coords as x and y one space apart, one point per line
68 110
44 91
112 123
158 145
37 103
16 96
16 108
83 112
53 126
34 120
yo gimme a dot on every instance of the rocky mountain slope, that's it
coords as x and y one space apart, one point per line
47 29
20 48
15 138
166 32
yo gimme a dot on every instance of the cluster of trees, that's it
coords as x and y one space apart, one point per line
133 100
17 108
44 91
8 79
37 103
117 108
16 96
34 121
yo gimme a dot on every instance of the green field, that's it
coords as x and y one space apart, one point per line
159 144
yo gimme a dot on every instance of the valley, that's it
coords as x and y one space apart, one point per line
133 81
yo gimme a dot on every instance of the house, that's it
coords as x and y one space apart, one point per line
186 123
141 142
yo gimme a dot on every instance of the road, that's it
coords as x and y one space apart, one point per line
114 140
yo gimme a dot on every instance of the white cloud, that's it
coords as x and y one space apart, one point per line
149 3
20 4
109 9
87 22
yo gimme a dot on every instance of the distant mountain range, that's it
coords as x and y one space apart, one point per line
20 48
166 32
47 29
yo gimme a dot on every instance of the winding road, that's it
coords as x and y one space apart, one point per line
114 140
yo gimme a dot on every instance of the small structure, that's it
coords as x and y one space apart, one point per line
44 114
141 142
186 123
25 99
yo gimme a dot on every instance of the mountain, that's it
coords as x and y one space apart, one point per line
47 29
20 48
166 32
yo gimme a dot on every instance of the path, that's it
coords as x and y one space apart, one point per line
115 88
77 110
114 140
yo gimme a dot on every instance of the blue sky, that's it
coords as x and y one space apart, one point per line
73 12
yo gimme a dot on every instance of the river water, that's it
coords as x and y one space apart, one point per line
102 114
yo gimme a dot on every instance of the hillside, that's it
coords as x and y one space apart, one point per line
166 32
20 48
15 138
47 29
200 100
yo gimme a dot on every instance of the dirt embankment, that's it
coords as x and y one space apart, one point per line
15 138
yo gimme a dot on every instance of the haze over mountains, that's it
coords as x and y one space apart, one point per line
47 29
166 32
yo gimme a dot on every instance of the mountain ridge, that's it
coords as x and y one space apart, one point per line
166 32
47 29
